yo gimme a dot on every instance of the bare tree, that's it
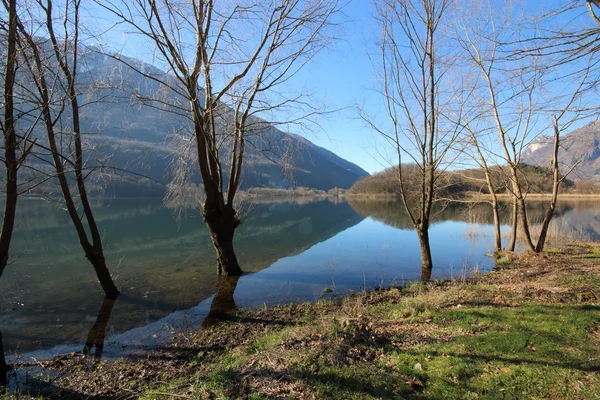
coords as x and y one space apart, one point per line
11 161
527 93
225 62
56 91
412 68
481 158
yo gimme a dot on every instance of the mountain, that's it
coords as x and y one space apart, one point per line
135 145
579 146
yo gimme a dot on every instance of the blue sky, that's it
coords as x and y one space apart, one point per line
341 78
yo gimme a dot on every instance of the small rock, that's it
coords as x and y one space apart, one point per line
418 367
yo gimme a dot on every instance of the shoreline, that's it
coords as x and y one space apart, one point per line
537 196
531 329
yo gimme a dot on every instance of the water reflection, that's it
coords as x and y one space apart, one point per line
3 366
162 267
97 333
573 220
223 304
293 252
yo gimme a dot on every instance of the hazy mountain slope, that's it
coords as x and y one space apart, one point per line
122 134
579 146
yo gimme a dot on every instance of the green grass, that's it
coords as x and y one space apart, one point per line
528 331
531 352
540 351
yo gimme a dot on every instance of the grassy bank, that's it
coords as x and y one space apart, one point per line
531 330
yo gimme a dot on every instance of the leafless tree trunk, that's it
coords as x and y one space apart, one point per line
10 138
514 224
66 54
241 55
97 333
555 185
473 142
412 73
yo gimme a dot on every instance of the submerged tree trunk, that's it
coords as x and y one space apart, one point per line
10 140
221 227
515 225
97 334
426 261
223 304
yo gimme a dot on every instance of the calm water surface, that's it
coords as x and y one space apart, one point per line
51 304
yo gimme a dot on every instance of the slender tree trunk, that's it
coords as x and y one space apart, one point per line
555 186
95 256
497 230
93 251
515 225
426 261
525 224
221 227
494 202
97 334
518 194
10 140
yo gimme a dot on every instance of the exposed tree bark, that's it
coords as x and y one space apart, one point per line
593 7
222 225
426 260
97 333
35 62
520 199
10 139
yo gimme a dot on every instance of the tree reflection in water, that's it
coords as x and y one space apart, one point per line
223 304
3 366
97 333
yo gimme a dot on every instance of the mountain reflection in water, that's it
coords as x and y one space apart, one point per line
292 252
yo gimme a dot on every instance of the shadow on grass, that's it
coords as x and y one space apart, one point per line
327 384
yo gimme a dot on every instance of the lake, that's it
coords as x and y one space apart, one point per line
52 304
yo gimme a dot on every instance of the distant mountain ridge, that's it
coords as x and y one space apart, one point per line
125 135
581 147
